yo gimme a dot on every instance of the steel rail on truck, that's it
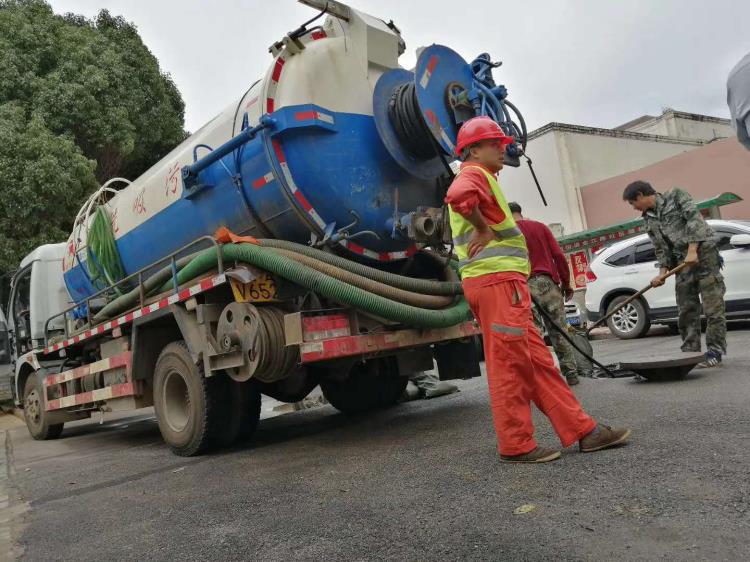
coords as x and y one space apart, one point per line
171 258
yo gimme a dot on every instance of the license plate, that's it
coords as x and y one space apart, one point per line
574 321
260 289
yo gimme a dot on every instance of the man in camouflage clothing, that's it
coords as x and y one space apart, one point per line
549 284
680 234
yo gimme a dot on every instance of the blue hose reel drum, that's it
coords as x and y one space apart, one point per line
438 70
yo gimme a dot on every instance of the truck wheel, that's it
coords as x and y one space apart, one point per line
631 322
188 405
242 412
37 418
371 385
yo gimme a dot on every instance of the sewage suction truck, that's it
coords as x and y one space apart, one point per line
297 239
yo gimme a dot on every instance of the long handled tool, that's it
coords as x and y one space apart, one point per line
627 301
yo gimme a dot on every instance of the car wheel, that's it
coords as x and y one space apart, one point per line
631 322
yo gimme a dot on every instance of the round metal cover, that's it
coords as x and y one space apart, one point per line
387 83
664 367
439 67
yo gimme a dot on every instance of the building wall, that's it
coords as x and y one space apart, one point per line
712 169
518 184
685 126
567 158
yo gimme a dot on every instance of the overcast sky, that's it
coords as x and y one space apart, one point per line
587 62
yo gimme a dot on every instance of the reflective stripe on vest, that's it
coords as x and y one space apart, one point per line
506 252
494 252
507 233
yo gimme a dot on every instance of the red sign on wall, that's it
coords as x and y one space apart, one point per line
578 264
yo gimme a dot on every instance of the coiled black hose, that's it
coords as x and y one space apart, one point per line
407 120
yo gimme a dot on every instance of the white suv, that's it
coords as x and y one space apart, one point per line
623 268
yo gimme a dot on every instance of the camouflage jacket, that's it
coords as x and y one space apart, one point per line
674 223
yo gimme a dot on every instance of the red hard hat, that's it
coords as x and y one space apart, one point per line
477 129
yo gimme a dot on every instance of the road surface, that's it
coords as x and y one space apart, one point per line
421 481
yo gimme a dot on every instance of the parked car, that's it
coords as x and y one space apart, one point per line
623 268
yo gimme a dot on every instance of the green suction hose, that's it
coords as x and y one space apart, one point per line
325 285
150 285
425 286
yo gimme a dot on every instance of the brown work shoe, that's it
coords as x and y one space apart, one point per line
572 379
603 437
540 454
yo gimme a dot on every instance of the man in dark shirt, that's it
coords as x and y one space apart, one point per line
549 282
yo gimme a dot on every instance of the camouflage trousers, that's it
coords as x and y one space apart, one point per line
702 282
548 295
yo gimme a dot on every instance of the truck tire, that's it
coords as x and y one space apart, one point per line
242 412
372 385
37 418
188 405
630 323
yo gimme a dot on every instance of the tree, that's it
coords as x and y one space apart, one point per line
43 178
81 101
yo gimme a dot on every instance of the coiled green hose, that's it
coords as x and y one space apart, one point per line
325 285
425 286
419 300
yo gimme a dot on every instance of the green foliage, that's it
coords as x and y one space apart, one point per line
81 101
43 179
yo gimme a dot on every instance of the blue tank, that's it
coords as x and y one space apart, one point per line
335 145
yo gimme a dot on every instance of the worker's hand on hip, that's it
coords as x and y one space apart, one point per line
691 259
479 241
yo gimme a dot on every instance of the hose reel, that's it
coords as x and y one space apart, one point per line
258 332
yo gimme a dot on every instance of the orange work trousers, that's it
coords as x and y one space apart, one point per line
521 370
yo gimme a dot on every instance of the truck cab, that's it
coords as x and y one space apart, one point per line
6 367
37 293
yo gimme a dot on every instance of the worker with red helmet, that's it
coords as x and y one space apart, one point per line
494 266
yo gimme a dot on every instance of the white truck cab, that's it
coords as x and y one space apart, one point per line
37 293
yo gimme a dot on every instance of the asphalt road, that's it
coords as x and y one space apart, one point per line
421 481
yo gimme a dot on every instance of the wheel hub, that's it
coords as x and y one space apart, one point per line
176 401
32 406
626 319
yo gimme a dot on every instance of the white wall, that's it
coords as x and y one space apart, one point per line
518 185
673 125
565 161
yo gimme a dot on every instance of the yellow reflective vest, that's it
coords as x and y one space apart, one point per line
507 252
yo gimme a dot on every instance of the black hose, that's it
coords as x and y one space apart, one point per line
521 120
407 120
559 329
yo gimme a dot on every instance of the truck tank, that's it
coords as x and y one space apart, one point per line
335 145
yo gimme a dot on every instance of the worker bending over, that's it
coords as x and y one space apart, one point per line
494 265
679 234
549 284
